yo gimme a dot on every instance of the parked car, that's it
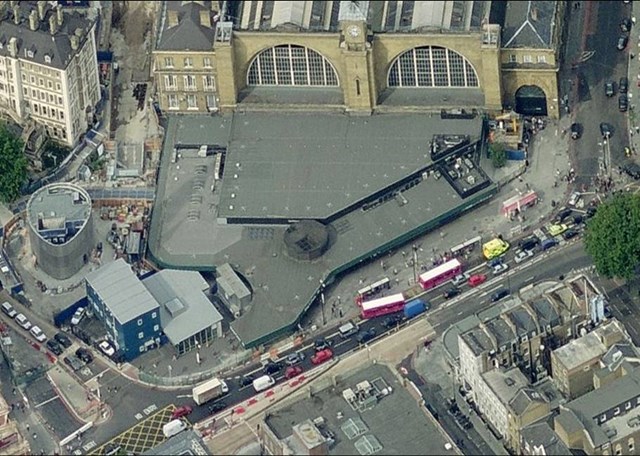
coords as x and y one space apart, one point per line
606 130
555 230
38 334
609 88
623 40
292 371
366 336
549 243
522 255
391 321
591 211
54 347
294 358
321 344
499 269
106 348
74 363
451 292
626 24
460 279
578 219
632 169
562 216
23 322
217 407
495 262
272 368
84 355
321 356
63 340
569 234
78 316
576 130
246 380
623 102
623 85
181 411
529 243
574 198
477 279
498 295
9 310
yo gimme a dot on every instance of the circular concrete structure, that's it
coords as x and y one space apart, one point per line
306 240
60 229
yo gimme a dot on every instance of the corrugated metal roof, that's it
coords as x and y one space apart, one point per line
188 287
122 292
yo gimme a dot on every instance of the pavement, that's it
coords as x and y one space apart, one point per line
634 80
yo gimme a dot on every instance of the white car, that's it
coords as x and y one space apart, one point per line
23 322
106 348
77 317
574 198
522 255
500 268
38 334
460 279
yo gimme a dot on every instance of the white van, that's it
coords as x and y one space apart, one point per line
23 322
347 330
262 383
174 427
9 310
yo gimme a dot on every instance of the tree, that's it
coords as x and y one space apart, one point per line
13 165
498 154
613 236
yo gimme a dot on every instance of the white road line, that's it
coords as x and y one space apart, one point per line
98 376
47 401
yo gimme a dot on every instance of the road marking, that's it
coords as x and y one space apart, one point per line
183 395
152 408
89 445
138 416
47 401
98 376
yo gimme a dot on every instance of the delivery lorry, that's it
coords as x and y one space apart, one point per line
414 308
209 390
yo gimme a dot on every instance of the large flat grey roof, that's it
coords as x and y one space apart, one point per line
187 287
283 288
416 435
59 201
312 165
121 291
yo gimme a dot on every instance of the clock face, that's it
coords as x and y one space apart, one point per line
354 31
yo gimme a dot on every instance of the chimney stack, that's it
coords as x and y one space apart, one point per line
16 14
74 42
33 20
60 16
13 46
53 24
41 7
205 18
172 18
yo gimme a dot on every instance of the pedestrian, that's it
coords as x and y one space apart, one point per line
27 427
35 436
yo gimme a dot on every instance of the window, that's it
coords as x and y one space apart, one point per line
627 406
154 314
33 79
54 113
44 110
41 82
58 87
513 58
526 59
170 82
191 102
156 327
211 102
168 62
208 83
140 335
50 84
25 91
173 101
59 100
616 411
291 65
61 115
47 59
603 418
542 59
206 62
30 53
188 62
24 77
139 321
432 66
189 82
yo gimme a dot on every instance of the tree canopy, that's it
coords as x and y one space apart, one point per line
498 154
613 236
13 165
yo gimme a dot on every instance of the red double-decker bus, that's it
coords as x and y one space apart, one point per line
440 274
383 306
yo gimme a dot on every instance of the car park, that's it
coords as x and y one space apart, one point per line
569 234
451 292
459 279
38 334
217 407
623 85
106 348
84 355
623 102
609 88
623 40
392 321
477 279
366 336
63 340
78 316
271 368
555 230
522 255
23 322
321 356
499 269
574 198
576 130
9 310
294 358
292 371
181 411
321 344
54 347
498 295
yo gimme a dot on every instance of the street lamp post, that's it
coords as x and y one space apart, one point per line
324 320
170 369
415 263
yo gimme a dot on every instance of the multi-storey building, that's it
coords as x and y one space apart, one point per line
48 68
361 57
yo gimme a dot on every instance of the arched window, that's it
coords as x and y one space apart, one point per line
432 66
291 65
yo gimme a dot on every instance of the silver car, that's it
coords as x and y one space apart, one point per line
460 279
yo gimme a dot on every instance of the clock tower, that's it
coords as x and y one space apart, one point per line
359 86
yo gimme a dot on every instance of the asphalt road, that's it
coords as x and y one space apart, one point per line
592 59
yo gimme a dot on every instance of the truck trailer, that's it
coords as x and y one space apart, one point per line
209 390
414 308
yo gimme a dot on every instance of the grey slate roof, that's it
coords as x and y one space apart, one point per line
545 313
529 24
477 340
500 330
40 41
121 291
524 398
542 435
189 34
187 286
523 322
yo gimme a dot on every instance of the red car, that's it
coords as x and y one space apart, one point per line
477 279
321 356
292 371
180 412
